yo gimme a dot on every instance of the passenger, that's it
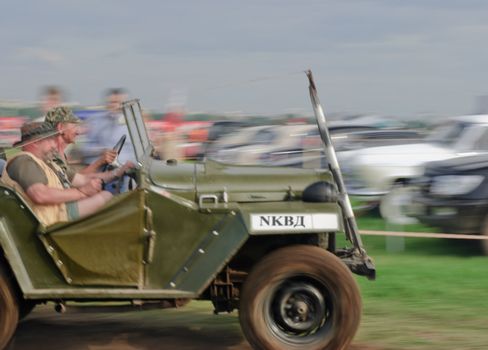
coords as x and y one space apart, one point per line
30 174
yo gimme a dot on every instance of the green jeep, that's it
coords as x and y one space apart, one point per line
257 239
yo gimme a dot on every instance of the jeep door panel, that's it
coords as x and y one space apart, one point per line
105 249
191 245
31 264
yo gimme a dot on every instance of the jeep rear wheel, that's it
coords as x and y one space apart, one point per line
300 297
9 312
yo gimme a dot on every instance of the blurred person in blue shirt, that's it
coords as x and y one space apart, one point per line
51 96
105 129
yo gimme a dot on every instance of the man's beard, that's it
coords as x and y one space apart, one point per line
49 155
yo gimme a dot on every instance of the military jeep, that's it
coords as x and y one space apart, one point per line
257 239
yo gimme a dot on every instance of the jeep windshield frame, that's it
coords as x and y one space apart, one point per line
137 129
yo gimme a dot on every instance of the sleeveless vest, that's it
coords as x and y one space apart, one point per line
47 214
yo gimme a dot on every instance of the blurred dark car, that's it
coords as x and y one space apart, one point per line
223 127
217 130
453 196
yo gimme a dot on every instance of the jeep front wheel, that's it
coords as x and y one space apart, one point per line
300 297
9 312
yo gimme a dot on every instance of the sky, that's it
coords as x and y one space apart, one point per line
403 58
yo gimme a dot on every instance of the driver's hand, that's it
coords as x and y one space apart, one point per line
127 165
108 156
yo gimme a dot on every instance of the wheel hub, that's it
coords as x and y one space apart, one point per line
300 308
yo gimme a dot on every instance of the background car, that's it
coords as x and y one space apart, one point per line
381 173
450 190
375 138
345 142
269 144
216 131
223 149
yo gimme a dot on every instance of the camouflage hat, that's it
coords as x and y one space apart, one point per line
32 131
61 115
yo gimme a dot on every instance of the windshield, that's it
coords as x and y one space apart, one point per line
137 128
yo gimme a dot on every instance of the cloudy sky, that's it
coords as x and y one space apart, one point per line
415 57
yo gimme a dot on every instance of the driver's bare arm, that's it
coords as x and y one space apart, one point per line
44 195
92 187
106 176
80 179
87 184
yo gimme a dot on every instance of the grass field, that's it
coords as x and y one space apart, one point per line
429 293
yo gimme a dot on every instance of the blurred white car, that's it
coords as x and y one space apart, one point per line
346 143
267 144
381 173
223 149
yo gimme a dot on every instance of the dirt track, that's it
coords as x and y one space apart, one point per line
156 329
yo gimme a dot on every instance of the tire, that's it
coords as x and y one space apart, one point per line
9 310
394 203
300 297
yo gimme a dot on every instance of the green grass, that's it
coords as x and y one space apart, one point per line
429 293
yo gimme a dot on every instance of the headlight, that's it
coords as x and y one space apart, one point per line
451 185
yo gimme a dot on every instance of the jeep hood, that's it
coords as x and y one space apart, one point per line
240 183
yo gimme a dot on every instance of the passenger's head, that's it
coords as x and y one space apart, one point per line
65 122
114 98
51 96
38 138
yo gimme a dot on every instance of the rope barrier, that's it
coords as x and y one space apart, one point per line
421 235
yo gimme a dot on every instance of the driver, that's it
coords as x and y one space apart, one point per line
66 124
30 173
104 130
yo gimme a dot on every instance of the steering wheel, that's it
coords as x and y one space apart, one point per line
117 148
115 164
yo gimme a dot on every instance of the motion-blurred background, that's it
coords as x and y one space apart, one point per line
405 92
